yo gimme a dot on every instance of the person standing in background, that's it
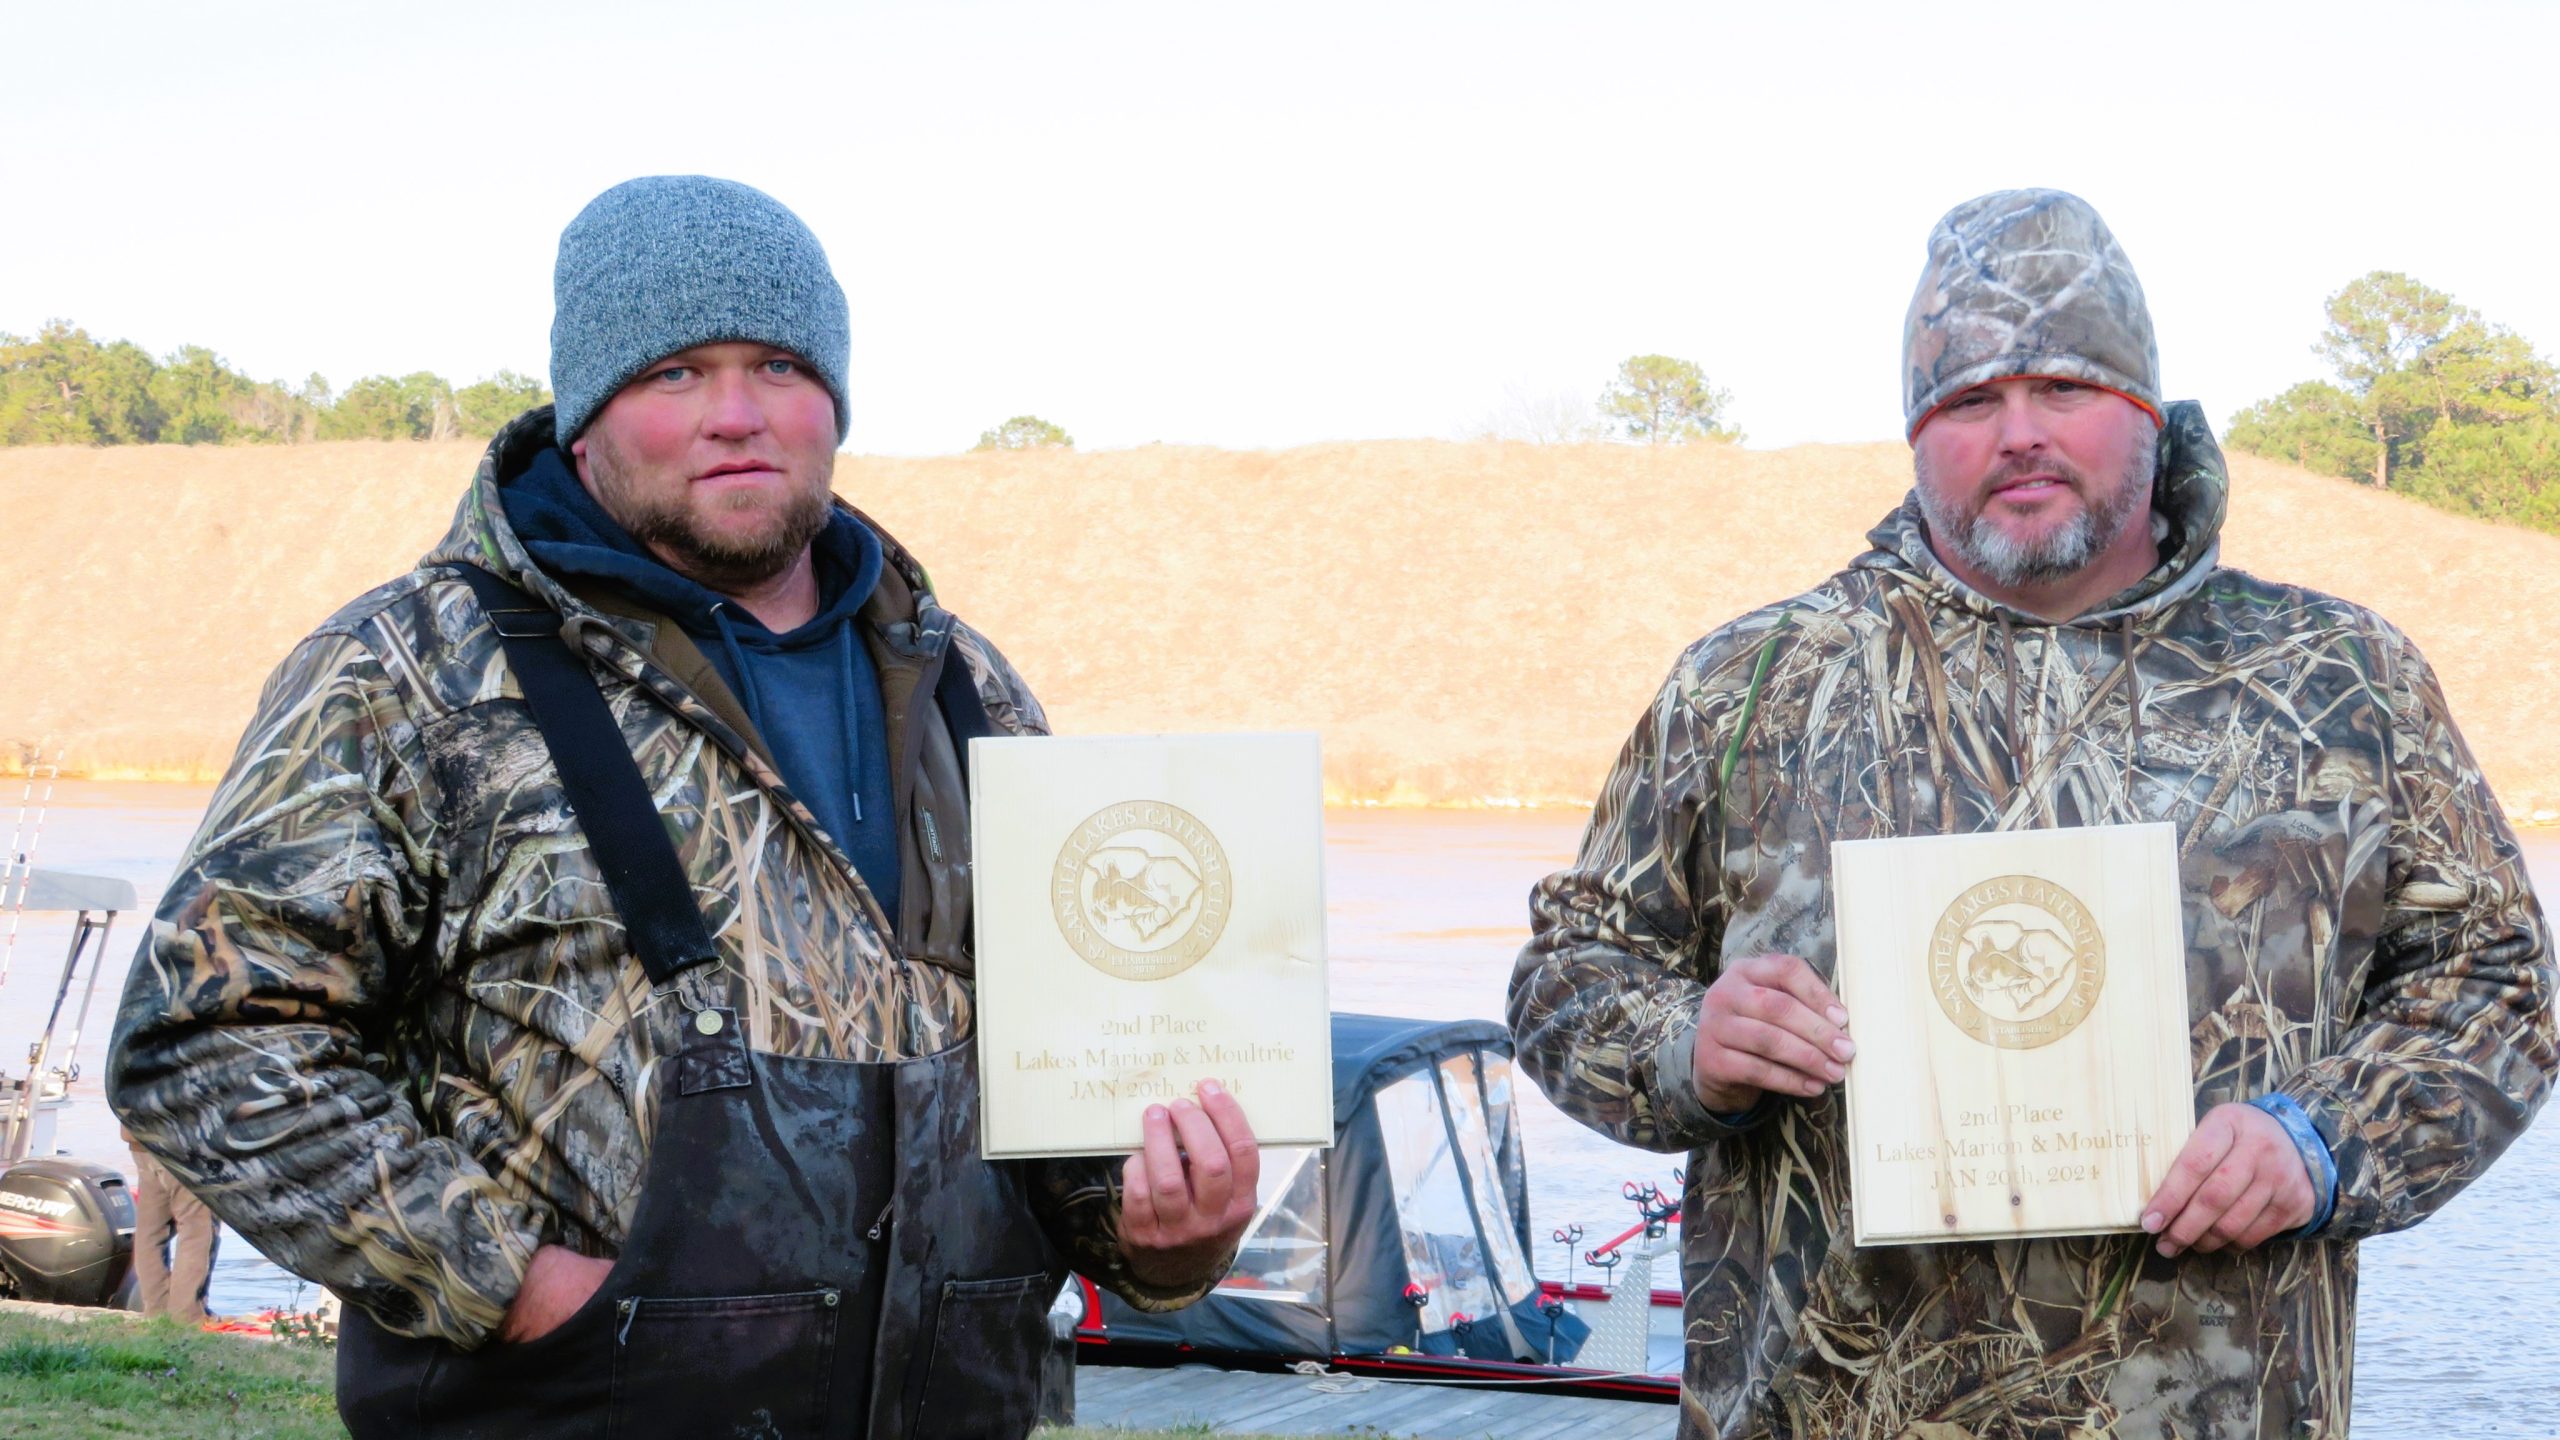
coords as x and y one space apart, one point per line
166 1214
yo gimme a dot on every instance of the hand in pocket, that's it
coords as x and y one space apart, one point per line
557 1282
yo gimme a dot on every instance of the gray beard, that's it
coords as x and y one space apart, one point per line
2008 561
715 562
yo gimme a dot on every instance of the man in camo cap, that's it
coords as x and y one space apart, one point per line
2042 636
2020 285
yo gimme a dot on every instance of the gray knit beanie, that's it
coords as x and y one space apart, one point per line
2025 282
667 262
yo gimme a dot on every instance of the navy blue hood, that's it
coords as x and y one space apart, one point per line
812 693
565 530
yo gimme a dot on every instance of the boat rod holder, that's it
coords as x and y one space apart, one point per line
1568 1237
1653 1208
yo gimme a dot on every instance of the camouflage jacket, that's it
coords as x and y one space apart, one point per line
385 1023
2361 936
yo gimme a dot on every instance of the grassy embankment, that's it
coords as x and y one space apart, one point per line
1465 623
65 1377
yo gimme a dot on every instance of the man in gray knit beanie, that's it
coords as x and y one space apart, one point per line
667 262
687 267
654 1113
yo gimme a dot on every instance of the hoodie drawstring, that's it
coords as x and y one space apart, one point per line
2133 690
738 662
2009 692
850 712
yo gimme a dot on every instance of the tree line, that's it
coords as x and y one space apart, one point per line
1652 400
2430 399
62 387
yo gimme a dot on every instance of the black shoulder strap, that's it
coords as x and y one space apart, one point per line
956 691
609 800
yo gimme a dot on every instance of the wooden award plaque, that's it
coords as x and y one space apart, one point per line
1150 914
2020 1006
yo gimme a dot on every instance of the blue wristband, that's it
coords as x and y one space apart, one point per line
1744 1119
2316 1159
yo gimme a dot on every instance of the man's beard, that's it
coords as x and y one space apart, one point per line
727 563
2065 551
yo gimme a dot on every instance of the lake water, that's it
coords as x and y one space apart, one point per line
2458 1329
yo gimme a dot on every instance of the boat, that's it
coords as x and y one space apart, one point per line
66 1224
1403 1250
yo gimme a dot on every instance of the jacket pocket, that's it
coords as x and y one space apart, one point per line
982 1378
729 1365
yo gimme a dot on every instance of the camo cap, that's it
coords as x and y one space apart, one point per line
2025 282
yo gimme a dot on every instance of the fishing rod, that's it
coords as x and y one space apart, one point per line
20 864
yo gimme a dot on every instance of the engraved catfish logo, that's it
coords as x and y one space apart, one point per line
1141 890
2017 962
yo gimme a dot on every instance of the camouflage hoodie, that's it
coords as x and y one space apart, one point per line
2361 937
385 1024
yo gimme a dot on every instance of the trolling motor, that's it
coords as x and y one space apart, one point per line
66 1232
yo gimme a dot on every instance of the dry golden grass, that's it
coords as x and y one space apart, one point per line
1465 623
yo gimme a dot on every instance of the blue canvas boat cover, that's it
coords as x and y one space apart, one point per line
1411 1231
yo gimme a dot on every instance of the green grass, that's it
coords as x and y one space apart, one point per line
65 1379
80 1379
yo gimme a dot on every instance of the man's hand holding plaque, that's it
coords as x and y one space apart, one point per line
2239 1183
1768 1023
1187 1195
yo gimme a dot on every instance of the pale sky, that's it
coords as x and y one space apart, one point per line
1255 225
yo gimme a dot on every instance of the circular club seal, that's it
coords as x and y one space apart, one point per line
1141 890
2017 962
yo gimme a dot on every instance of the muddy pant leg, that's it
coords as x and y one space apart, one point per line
191 1273
152 1188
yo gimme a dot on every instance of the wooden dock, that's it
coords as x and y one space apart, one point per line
1244 1402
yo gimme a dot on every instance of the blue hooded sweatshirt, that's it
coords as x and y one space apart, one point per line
812 693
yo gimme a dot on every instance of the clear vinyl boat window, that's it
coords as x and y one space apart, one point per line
1439 1230
1476 1152
1502 1119
1283 1255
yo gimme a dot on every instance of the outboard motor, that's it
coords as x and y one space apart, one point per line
66 1232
